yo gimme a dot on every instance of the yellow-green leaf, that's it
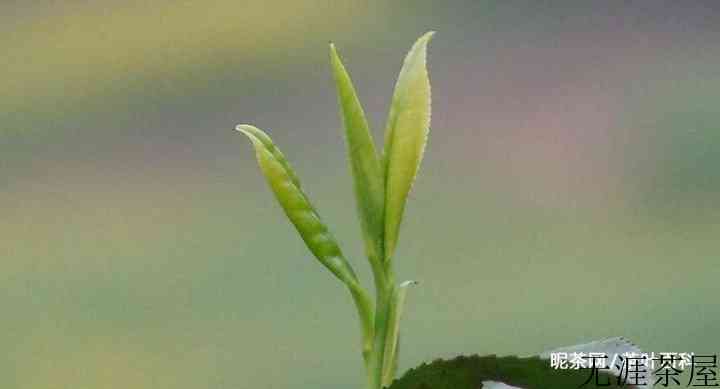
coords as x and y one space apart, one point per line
297 207
405 137
364 161
286 187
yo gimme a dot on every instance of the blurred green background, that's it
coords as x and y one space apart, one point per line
570 191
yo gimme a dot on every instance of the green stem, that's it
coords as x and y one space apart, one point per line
364 306
392 342
384 304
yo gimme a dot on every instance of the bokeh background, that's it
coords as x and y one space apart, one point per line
570 191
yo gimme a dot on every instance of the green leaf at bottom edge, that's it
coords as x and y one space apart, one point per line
469 372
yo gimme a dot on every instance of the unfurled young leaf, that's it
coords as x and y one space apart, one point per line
286 186
364 161
405 137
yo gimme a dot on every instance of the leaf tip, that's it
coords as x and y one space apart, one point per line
334 58
428 35
244 128
253 133
422 42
